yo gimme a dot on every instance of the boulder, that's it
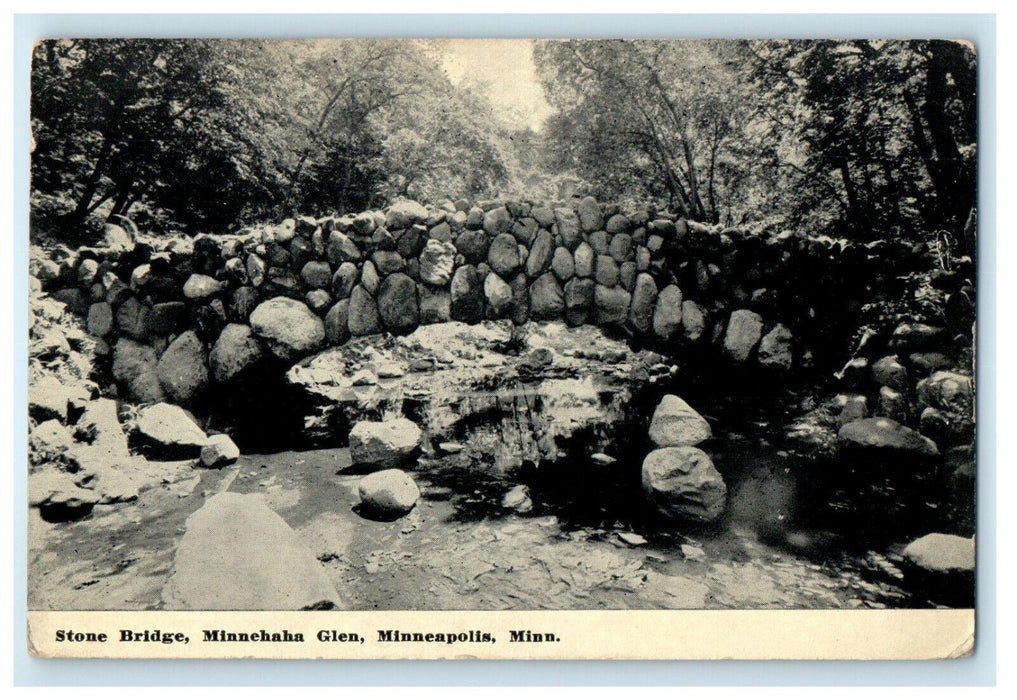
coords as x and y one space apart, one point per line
547 301
435 304
290 329
340 248
256 269
610 305
744 331
942 568
541 251
218 452
627 274
883 436
363 313
238 554
568 227
132 319
606 272
620 247
497 221
467 294
165 431
397 303
525 231
675 424
134 368
473 245
619 223
503 256
100 319
316 274
850 407
385 444
683 483
182 369
285 231
318 300
200 287
667 312
388 261
404 213
775 349
644 296
888 371
369 278
598 241
437 263
344 279
337 323
579 295
591 218
498 294
234 351
390 493
243 301
58 498
585 259
563 264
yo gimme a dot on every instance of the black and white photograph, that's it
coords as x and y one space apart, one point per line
501 325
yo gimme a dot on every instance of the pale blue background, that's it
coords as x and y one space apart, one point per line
979 670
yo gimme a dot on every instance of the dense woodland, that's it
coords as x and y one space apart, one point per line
861 139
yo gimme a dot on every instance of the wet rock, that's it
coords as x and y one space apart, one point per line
134 368
591 218
386 444
247 574
683 483
889 372
547 301
165 431
498 294
744 331
288 327
883 436
775 349
234 352
200 287
397 303
644 297
218 452
182 369
437 262
389 493
675 423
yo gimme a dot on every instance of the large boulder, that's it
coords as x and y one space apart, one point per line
683 483
473 245
344 279
568 227
644 295
390 493
100 319
218 452
200 287
498 294
585 259
437 262
547 301
562 264
610 305
503 257
675 423
134 368
316 274
397 303
591 218
165 431
132 319
290 329
541 251
384 444
467 294
99 426
885 437
942 567
182 369
340 248
337 323
363 313
497 220
404 213
234 351
693 320
775 349
606 272
238 554
667 313
744 331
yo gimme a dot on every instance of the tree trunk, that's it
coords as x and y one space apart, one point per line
77 216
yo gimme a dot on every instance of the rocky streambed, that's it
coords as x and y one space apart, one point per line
523 484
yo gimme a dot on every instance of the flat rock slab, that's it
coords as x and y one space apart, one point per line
238 554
